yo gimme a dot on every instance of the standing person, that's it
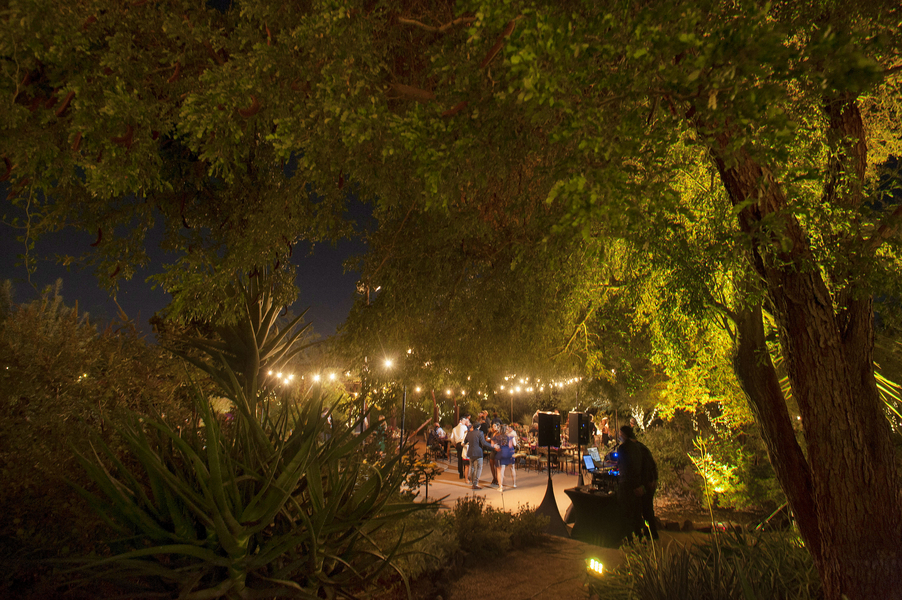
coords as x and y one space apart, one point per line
458 435
605 432
499 440
638 482
483 423
442 438
476 443
506 456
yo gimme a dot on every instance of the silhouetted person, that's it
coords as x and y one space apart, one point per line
638 482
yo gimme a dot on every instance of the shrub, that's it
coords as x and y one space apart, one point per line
772 566
62 380
734 465
734 462
261 511
484 531
670 446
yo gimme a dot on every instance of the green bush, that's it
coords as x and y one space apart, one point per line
258 510
670 446
734 465
738 471
763 566
484 531
62 380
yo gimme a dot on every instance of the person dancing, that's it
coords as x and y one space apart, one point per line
506 457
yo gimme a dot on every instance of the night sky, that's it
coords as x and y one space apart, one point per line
324 287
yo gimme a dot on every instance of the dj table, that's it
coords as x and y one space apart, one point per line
597 517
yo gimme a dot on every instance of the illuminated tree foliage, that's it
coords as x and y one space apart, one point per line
728 157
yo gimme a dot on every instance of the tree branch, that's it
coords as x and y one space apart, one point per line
442 29
576 329
886 230
413 93
394 240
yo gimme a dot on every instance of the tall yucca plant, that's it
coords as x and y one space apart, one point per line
270 507
251 346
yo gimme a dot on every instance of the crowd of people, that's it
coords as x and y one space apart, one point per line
489 440
480 441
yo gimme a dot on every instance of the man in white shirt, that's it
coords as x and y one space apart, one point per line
458 435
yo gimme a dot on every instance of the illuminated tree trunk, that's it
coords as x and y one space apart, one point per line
758 378
854 515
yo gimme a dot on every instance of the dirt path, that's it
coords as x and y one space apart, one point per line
554 570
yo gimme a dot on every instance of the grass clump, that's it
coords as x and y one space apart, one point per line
749 567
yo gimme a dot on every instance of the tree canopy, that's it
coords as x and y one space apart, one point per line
729 159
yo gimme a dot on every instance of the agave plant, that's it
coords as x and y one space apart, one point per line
211 518
279 506
251 346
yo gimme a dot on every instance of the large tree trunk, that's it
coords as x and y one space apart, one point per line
758 378
828 354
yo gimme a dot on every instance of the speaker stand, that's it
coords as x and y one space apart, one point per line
548 507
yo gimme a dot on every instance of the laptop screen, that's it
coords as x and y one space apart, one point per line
590 464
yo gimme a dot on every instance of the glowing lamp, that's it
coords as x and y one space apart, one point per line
594 567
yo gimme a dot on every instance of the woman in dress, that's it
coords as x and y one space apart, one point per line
605 432
506 456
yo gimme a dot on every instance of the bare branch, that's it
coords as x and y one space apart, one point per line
444 28
576 330
413 93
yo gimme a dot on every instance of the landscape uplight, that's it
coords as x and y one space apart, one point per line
332 376
594 567
388 363
316 377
